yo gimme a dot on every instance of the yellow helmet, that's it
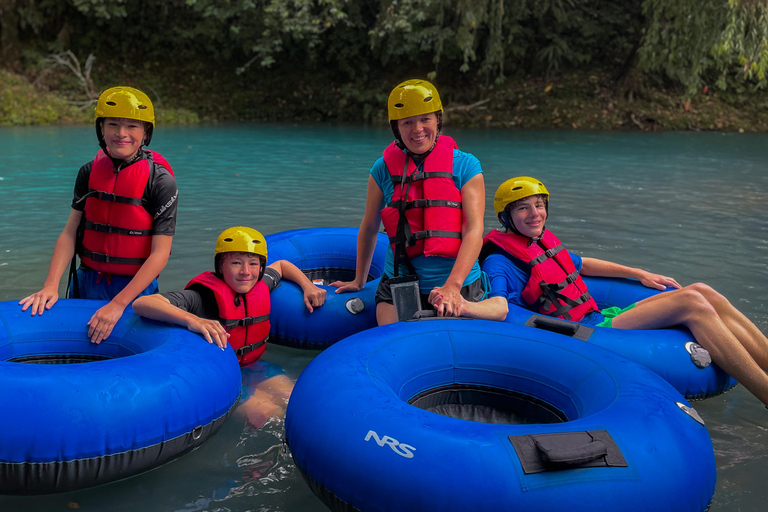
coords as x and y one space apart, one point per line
413 98
515 189
241 239
128 103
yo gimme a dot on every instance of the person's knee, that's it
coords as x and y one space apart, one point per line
385 313
695 304
710 294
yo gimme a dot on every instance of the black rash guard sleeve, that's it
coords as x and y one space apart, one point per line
163 201
271 278
200 302
81 187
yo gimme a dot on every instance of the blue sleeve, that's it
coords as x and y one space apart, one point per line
380 175
465 167
506 279
576 261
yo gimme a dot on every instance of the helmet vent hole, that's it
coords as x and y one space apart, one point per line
517 188
111 103
229 240
399 105
142 107
256 241
427 99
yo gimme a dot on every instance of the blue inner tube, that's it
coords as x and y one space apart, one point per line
665 351
147 394
327 254
361 443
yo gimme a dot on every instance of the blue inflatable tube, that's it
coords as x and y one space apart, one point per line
147 394
665 351
625 440
327 254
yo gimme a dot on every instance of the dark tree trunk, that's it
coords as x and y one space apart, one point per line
10 57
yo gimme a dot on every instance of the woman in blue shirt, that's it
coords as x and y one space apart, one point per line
432 207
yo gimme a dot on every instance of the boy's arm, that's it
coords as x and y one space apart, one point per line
103 321
160 308
314 296
601 268
63 252
494 308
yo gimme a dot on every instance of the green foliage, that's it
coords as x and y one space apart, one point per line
104 9
358 45
22 104
696 42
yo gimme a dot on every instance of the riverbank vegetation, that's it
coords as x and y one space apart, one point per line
570 64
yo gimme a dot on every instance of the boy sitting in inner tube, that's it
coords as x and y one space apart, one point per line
529 267
231 305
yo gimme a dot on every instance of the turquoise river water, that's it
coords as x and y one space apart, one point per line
689 205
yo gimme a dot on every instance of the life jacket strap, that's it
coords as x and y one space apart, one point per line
550 298
547 254
397 179
562 285
105 258
250 348
243 322
425 203
106 228
112 198
412 238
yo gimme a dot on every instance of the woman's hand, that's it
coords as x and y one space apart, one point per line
346 286
447 300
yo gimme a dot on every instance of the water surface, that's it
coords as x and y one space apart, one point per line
689 205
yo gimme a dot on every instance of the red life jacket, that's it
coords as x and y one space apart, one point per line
432 202
555 287
117 236
244 316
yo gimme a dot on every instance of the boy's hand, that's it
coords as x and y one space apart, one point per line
314 298
40 301
212 331
103 321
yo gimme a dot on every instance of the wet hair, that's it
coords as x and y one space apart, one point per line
222 257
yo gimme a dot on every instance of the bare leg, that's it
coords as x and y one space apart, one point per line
385 313
689 307
750 337
742 327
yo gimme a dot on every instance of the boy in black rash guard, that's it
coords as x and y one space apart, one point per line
231 306
123 216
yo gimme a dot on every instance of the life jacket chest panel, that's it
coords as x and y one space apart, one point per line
554 287
117 238
244 316
432 201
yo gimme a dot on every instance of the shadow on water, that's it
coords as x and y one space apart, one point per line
690 205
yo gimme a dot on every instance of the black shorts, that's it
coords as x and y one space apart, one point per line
472 292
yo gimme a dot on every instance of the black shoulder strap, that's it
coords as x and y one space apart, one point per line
403 228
